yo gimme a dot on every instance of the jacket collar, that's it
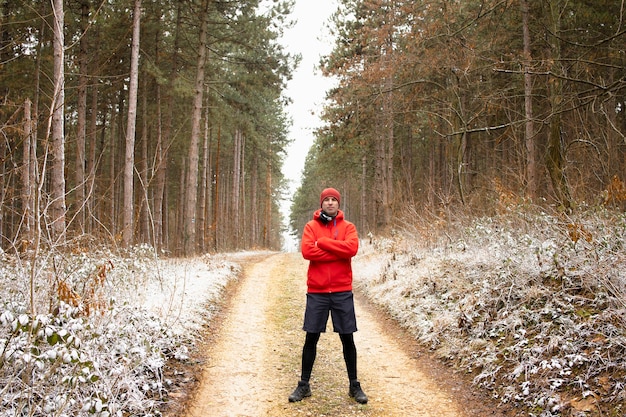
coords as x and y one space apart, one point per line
316 215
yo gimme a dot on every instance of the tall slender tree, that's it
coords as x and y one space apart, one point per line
57 147
81 120
191 186
27 172
129 155
529 131
555 152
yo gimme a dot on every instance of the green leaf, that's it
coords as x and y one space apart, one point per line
53 339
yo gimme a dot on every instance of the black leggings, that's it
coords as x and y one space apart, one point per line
309 352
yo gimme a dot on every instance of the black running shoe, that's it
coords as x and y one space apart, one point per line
357 392
302 390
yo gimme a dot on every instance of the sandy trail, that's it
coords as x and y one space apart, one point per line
253 361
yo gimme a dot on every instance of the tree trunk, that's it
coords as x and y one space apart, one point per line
5 12
388 110
179 239
462 165
202 210
267 228
164 138
555 158
385 143
166 216
235 193
112 201
27 179
364 193
254 212
81 122
91 159
191 191
36 180
129 159
529 137
144 215
57 151
217 188
3 187
389 150
379 178
159 172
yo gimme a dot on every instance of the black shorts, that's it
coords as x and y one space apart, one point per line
339 304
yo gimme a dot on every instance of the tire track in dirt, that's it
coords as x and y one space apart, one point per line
254 362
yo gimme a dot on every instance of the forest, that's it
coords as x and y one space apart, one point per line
448 105
129 122
146 122
479 147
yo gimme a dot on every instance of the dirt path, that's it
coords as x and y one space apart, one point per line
253 359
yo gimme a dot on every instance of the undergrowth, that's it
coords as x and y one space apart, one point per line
84 343
532 305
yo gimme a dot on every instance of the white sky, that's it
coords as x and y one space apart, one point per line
310 38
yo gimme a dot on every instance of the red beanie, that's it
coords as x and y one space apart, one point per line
330 192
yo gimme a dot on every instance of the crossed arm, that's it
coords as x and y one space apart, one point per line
326 249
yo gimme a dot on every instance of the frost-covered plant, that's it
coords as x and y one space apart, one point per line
42 360
531 304
68 360
70 364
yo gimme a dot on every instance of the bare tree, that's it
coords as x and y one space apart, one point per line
27 170
531 168
91 158
129 160
555 158
238 147
144 211
57 151
191 191
205 181
81 120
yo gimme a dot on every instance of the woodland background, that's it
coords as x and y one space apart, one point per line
479 147
146 122
442 105
129 122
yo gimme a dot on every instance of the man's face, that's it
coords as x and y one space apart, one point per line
330 205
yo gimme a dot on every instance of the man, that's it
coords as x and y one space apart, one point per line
329 242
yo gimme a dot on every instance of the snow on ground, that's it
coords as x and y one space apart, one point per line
101 348
186 289
532 306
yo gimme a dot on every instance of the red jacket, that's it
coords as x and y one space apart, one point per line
329 248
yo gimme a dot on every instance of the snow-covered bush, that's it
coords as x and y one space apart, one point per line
532 305
104 329
64 363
